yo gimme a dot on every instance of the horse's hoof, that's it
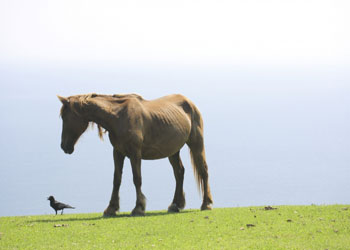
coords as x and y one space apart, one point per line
109 212
173 208
138 212
206 207
106 215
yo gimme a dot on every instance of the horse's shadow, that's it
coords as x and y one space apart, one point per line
96 218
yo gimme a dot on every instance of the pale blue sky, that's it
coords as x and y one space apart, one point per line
252 32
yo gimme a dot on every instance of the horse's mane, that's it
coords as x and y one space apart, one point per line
127 96
84 99
100 131
81 100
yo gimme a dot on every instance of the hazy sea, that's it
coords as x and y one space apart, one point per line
272 137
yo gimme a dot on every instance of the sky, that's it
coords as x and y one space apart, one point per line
271 79
249 33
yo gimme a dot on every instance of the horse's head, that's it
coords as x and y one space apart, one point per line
73 125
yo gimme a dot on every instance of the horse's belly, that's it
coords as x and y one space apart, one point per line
164 144
163 147
154 153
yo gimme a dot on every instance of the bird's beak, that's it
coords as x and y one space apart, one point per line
48 198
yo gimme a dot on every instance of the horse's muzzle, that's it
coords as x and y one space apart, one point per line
67 150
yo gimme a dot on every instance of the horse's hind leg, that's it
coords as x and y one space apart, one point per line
179 197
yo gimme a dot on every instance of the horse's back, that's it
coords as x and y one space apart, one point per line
174 109
169 101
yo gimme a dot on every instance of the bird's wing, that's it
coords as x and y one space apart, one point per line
61 205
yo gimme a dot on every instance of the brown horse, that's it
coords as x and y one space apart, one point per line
141 129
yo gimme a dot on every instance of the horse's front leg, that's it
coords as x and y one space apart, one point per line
140 207
113 206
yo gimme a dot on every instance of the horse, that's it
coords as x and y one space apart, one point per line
141 129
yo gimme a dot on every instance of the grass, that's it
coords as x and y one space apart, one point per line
287 227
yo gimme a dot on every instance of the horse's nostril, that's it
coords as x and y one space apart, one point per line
69 151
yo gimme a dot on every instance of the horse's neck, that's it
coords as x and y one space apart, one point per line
98 113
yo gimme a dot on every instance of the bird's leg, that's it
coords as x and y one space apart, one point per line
62 211
56 211
113 206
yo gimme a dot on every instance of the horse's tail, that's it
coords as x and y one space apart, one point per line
197 151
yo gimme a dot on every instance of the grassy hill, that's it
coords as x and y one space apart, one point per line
280 227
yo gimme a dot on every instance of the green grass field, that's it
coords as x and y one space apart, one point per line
286 227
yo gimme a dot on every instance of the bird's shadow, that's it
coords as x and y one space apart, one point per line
56 218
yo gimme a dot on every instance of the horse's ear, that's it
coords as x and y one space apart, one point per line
64 100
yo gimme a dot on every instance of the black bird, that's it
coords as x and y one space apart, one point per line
58 205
